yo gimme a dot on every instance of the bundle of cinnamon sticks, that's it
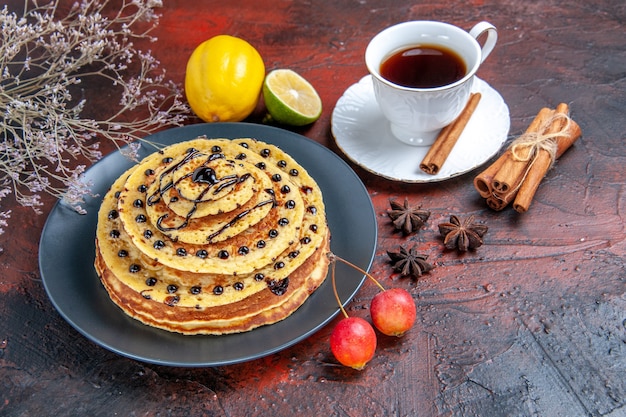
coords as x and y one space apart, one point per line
518 172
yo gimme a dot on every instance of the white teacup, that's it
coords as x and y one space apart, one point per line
416 115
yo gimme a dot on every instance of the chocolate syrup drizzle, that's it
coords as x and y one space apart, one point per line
237 218
201 175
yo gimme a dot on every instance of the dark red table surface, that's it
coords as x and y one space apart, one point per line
533 323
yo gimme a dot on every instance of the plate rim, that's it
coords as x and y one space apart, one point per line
206 128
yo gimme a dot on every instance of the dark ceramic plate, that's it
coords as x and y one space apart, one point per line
67 251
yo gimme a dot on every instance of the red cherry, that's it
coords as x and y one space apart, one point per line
393 311
353 342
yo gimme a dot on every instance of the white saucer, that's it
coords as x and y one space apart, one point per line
363 135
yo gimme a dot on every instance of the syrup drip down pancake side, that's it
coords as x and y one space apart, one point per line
212 236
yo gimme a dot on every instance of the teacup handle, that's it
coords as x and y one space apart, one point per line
492 37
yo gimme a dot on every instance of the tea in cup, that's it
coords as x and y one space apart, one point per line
422 73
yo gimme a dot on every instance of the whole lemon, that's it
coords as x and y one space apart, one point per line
224 79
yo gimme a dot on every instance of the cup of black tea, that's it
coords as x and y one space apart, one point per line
422 73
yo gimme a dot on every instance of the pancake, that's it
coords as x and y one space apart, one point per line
212 236
255 205
276 301
190 193
231 251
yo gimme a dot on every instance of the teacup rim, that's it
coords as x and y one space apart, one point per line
470 73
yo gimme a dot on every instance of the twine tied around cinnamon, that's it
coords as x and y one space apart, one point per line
531 143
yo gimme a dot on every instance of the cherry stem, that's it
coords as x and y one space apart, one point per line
332 276
334 258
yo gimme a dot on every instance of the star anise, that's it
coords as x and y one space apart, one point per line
409 263
462 235
407 218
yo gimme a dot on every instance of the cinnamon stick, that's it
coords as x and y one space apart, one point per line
447 138
508 177
495 203
483 181
543 162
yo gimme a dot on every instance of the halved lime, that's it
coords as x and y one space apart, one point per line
290 99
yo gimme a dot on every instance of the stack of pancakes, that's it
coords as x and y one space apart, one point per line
212 236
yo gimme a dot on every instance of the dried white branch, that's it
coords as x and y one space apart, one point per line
44 137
